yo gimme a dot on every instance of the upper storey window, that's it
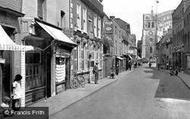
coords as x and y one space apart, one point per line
78 16
42 9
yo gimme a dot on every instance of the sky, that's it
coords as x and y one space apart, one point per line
132 11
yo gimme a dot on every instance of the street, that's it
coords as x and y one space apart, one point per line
144 93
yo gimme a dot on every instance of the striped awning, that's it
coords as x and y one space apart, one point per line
6 43
56 34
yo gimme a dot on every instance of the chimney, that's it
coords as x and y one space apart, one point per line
112 17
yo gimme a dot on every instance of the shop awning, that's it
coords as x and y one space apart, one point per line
6 43
56 34
120 58
130 56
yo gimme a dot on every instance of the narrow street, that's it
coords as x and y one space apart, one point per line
143 94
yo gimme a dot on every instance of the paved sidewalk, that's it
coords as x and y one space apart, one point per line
185 78
71 96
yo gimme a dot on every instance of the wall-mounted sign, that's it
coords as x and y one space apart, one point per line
108 27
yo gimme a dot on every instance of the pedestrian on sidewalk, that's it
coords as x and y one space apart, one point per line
95 71
130 63
17 92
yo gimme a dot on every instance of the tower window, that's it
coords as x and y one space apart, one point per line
152 24
150 49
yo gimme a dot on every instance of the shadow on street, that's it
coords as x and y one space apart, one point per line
169 86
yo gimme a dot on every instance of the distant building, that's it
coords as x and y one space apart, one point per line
150 36
164 47
164 23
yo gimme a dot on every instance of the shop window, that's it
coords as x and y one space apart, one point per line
33 71
60 69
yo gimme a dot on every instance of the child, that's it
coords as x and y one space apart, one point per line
17 92
6 102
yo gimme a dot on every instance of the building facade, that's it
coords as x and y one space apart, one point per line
164 23
47 68
178 34
117 34
187 40
165 49
86 19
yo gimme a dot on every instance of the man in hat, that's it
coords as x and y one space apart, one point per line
95 71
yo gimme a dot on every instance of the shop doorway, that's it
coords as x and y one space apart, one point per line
7 67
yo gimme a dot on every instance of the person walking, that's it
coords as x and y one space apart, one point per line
95 71
130 63
17 92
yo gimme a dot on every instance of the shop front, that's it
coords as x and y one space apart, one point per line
7 68
48 66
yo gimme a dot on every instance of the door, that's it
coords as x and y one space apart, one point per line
6 74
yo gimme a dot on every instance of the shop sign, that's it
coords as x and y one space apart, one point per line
108 27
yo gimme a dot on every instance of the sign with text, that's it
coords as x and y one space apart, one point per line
26 113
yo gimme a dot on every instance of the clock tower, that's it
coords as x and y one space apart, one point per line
149 36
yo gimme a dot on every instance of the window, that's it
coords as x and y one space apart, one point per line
99 28
152 24
95 26
62 13
84 20
41 9
150 49
79 16
148 24
188 62
33 71
79 57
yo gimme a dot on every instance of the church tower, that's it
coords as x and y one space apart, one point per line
149 35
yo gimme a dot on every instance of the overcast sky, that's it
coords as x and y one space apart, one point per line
132 10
